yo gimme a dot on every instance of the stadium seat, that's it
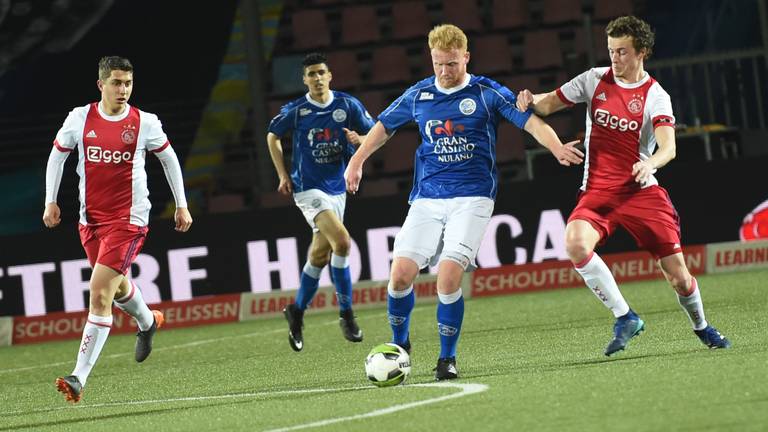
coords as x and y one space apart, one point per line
359 24
508 14
610 9
409 20
516 83
464 14
510 146
541 49
374 101
272 199
561 11
398 152
310 29
490 55
345 69
226 203
599 44
389 65
286 75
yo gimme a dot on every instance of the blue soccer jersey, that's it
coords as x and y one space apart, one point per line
320 146
457 154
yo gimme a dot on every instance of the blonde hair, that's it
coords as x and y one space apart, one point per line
447 37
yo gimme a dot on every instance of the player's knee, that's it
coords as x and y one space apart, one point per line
100 300
401 279
577 249
682 284
342 245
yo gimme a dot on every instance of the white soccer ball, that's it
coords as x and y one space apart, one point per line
387 365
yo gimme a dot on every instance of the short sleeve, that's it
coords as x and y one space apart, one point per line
282 123
575 90
68 135
157 140
659 107
400 111
503 101
361 120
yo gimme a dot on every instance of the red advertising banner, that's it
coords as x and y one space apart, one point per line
626 267
69 325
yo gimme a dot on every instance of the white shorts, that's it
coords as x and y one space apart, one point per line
440 229
313 201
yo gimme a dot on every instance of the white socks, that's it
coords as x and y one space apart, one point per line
600 281
693 306
133 304
95 333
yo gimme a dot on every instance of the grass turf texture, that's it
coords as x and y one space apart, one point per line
540 354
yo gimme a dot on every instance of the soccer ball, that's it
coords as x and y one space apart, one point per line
387 365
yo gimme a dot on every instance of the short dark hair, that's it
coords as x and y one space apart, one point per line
110 63
313 59
639 30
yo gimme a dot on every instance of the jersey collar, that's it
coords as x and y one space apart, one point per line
114 118
634 85
452 90
318 104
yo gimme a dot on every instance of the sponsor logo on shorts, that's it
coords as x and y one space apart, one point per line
316 203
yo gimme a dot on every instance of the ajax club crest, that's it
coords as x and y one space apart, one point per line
635 105
128 136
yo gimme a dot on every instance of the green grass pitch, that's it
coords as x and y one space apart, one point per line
530 362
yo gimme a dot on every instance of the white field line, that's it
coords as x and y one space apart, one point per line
173 347
466 390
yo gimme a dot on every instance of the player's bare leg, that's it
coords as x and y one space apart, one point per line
103 286
450 315
580 241
688 295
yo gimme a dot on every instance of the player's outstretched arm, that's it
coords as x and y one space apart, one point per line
53 172
543 104
285 186
566 154
376 138
172 170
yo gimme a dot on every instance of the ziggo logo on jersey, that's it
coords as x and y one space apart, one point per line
97 154
604 118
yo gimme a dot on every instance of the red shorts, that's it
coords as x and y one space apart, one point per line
113 245
647 214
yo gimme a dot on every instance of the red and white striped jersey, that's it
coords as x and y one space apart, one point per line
621 120
112 151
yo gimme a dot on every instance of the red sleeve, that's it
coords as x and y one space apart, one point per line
562 97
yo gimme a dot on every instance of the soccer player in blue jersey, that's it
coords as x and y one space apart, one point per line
323 124
455 181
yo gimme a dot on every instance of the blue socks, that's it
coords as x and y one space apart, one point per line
399 307
310 278
450 314
342 280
